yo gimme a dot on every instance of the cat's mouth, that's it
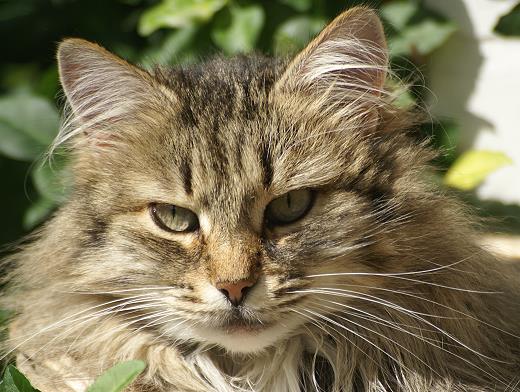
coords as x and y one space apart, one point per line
241 331
243 326
242 321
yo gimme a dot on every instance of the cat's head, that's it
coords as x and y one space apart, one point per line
220 190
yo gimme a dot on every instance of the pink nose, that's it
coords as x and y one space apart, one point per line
235 292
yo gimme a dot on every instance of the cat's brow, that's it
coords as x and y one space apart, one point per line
186 175
267 166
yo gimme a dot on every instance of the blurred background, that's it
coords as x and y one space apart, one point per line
460 57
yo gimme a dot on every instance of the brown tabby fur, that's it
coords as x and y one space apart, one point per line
380 287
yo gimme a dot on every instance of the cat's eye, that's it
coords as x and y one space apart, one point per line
174 218
289 207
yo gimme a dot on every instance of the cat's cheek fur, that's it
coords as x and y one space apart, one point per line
364 293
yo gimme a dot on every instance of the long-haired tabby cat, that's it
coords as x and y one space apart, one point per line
257 225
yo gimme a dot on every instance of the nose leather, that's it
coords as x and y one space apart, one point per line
235 292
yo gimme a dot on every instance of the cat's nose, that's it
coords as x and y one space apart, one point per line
235 292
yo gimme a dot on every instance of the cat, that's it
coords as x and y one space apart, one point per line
257 224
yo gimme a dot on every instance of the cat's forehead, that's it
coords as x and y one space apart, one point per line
215 140
221 88
230 139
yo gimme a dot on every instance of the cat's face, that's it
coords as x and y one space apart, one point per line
225 188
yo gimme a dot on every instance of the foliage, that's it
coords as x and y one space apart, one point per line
237 30
118 377
14 381
115 379
420 37
509 24
178 13
27 125
473 167
169 32
174 32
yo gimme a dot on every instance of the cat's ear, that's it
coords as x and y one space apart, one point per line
349 55
101 88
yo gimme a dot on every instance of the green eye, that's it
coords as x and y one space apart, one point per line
173 218
289 207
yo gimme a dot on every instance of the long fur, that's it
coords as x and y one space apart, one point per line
380 287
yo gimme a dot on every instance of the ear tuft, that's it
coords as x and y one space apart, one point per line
101 88
350 54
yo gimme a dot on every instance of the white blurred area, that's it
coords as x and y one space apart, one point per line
475 78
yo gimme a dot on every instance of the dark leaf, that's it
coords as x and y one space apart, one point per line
298 5
509 24
14 381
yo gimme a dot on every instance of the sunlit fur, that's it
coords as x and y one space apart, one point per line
380 287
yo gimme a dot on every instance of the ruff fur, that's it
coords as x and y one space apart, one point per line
380 287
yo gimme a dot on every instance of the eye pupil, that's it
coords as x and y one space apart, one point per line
289 208
173 218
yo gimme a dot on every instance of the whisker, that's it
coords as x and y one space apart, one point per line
327 333
151 288
169 330
472 317
86 319
396 276
428 341
411 313
358 335
392 274
391 340
70 319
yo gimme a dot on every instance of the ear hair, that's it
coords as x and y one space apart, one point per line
101 88
345 65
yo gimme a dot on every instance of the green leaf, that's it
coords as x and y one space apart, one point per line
242 29
298 5
28 125
37 213
33 115
296 32
51 178
422 38
399 12
178 13
16 144
14 381
472 167
4 316
118 377
176 46
509 24
403 98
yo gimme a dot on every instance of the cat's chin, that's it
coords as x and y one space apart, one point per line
244 340
240 339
